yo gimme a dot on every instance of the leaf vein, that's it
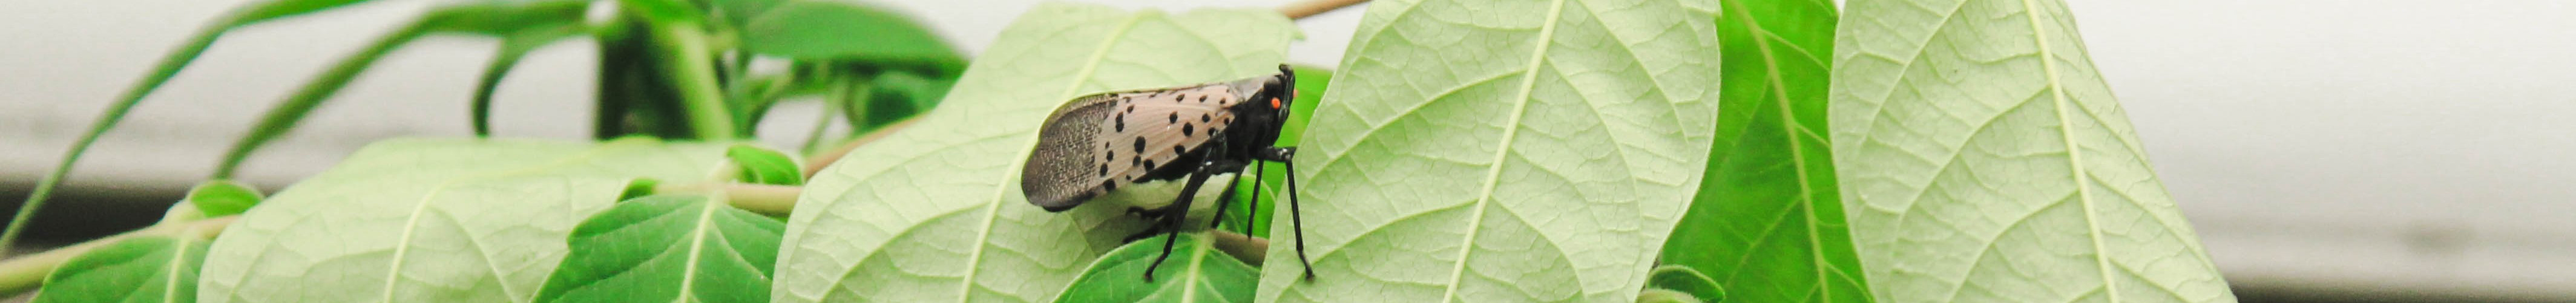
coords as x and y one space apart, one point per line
1493 175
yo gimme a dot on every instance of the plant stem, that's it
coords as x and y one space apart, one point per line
283 118
1301 10
161 73
822 124
689 64
19 275
851 89
856 98
1243 247
615 82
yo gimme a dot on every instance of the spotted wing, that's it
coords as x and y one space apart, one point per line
1101 142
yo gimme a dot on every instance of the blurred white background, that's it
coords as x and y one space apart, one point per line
2371 147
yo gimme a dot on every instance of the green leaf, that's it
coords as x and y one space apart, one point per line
765 166
1686 280
1502 151
1196 272
1767 218
937 216
668 249
434 220
846 31
501 18
1983 159
141 269
216 198
664 11
1274 175
739 13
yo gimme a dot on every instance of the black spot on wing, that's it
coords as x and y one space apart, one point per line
1188 129
1104 169
1175 118
1205 117
1107 185
1202 98
1149 165
1140 145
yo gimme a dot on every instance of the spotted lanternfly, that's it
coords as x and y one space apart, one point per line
1101 142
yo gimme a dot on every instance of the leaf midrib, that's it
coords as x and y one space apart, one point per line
2074 154
1797 151
1494 173
170 270
411 224
1198 262
993 206
697 246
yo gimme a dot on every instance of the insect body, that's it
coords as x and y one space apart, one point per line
1101 142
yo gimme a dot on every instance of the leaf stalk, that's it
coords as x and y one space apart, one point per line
283 118
689 64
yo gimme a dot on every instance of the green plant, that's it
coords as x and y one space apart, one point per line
1508 151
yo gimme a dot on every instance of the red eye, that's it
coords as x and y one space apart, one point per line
1274 103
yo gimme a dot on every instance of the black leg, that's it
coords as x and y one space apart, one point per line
1180 209
1296 218
1297 221
1252 208
1225 199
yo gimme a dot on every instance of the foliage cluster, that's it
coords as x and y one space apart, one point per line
1484 151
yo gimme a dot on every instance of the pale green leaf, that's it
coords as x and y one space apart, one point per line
157 269
1196 272
1502 151
1767 220
434 220
934 213
1983 159
668 249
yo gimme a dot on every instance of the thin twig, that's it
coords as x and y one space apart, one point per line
1243 247
25 273
1301 10
814 163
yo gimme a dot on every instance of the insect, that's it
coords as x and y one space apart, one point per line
1101 142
